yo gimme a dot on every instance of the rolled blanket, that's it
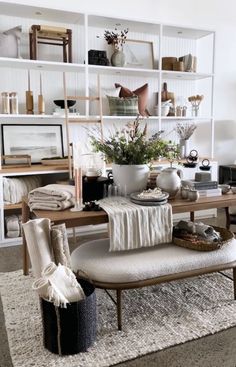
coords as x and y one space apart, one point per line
41 286
37 235
46 291
60 246
63 282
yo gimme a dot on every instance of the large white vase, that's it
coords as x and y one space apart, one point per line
130 178
168 180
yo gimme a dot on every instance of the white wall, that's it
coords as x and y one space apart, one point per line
214 14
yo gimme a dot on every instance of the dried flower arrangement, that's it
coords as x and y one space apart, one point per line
185 130
115 38
131 145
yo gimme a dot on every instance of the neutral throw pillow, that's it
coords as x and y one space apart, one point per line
93 106
10 42
123 106
142 94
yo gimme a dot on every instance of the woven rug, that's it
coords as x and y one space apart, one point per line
154 318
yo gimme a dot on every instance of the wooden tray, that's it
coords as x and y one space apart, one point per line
226 236
54 162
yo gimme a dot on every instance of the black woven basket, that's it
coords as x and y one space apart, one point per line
73 329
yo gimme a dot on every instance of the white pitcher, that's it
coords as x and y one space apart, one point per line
168 180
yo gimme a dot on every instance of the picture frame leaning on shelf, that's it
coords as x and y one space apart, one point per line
37 141
138 54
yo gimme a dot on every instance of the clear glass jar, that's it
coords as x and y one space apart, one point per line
5 103
14 103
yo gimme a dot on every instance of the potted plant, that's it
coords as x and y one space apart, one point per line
117 40
131 152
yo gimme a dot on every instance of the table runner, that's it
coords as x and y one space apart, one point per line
133 226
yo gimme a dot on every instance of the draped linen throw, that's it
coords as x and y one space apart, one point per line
52 197
58 284
133 226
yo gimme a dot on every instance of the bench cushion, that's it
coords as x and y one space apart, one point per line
129 266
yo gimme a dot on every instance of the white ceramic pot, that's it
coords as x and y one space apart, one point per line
168 180
130 178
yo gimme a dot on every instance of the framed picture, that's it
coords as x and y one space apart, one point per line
37 141
138 54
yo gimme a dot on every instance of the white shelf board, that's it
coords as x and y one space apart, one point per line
36 172
202 118
184 75
28 118
184 32
123 71
11 241
40 65
112 23
130 118
54 15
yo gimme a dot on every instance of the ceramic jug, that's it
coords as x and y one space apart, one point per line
168 180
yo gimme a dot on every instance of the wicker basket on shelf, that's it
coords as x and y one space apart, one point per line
204 245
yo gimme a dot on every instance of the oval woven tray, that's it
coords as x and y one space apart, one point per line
226 236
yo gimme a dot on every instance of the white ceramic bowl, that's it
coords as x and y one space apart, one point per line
225 188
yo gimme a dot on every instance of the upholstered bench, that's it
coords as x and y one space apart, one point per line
148 266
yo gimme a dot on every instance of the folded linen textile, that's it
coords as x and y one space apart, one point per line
60 246
12 223
15 188
52 197
56 205
12 234
53 192
134 226
63 282
37 235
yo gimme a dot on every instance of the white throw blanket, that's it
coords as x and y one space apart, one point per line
59 285
133 226
15 188
37 235
52 197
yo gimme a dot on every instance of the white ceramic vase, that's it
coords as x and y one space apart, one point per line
168 180
130 178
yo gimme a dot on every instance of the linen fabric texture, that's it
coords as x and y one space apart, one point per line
134 226
141 93
10 42
123 106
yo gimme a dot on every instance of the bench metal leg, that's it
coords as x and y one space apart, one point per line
119 309
234 280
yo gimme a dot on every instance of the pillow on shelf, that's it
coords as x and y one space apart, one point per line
93 105
10 42
142 94
123 106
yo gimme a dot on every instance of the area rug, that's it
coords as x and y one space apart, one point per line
154 318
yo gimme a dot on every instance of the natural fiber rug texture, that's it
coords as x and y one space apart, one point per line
154 318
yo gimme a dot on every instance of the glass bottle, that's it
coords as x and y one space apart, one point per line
14 103
5 103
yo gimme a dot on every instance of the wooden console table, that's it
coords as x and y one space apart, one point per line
78 219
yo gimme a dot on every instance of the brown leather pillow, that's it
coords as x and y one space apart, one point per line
142 94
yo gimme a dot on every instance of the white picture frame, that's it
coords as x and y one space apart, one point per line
138 54
37 141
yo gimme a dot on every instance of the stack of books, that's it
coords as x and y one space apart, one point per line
205 189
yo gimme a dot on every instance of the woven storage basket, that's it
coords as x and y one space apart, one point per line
73 329
225 234
167 63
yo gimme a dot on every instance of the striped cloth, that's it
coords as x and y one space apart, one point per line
134 226
123 106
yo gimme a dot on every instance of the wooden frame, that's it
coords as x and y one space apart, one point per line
37 141
24 160
138 54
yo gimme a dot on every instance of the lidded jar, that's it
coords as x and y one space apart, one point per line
168 180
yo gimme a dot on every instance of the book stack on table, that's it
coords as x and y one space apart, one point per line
205 188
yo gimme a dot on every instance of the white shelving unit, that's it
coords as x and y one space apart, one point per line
88 33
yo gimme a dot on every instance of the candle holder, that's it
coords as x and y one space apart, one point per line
29 98
78 190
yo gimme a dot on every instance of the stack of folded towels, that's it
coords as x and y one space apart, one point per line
52 197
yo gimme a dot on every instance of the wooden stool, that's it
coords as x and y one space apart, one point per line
56 36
